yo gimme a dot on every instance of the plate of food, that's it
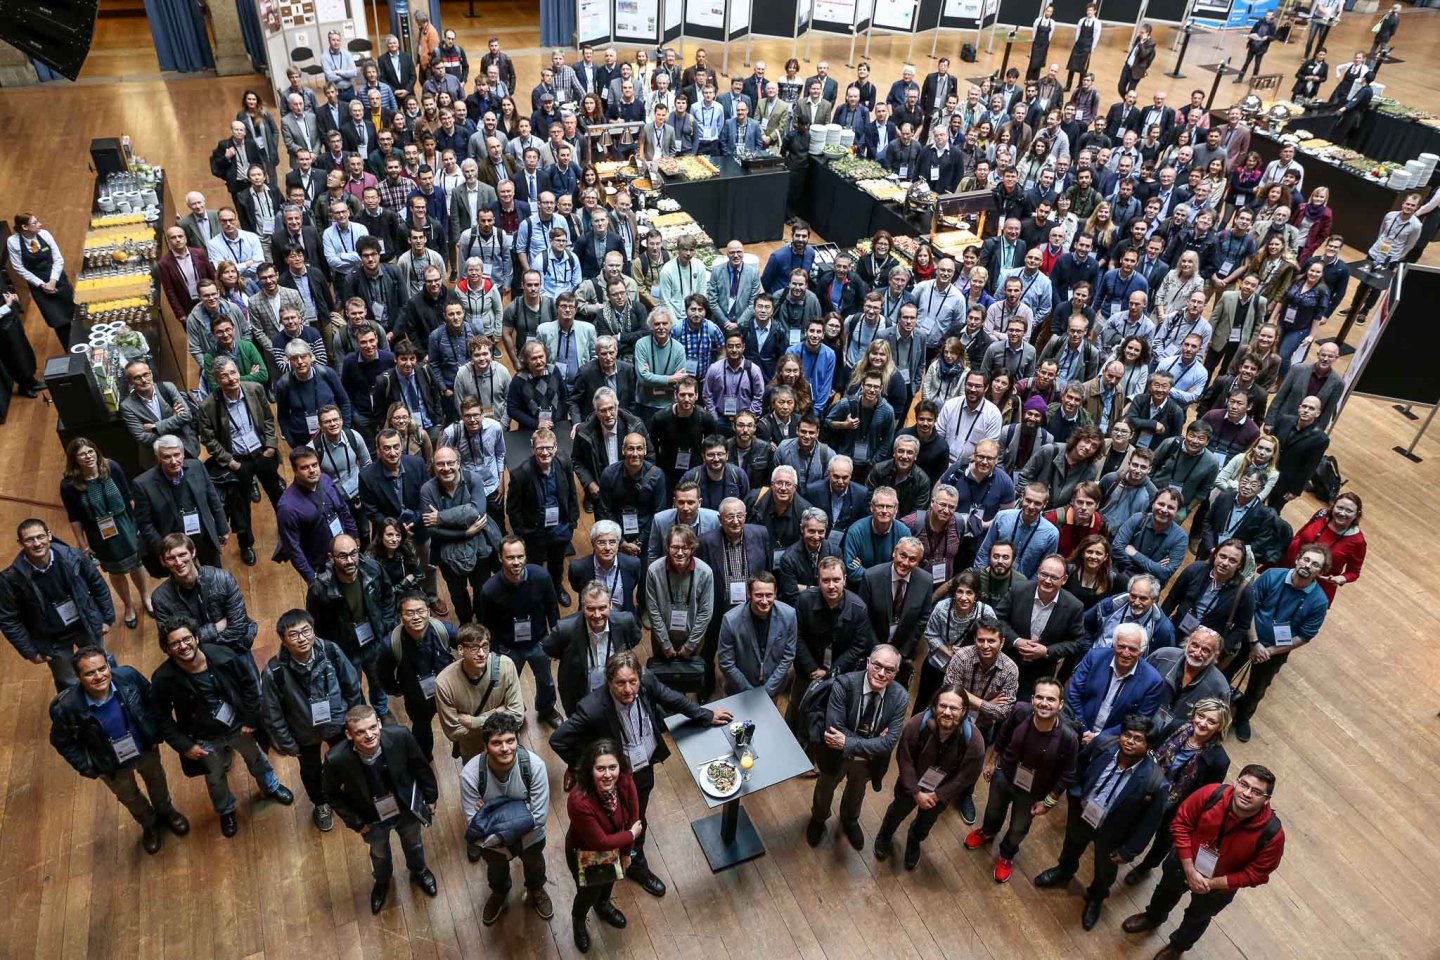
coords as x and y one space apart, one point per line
720 778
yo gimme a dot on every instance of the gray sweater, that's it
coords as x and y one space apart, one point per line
477 783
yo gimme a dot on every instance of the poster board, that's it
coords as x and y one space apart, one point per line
672 18
291 26
835 16
705 19
594 21
775 18
899 16
1389 363
637 21
739 24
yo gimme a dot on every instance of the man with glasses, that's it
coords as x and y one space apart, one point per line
616 568
863 717
473 689
456 517
631 489
541 506
1226 839
968 420
900 595
411 657
53 601
1118 806
1046 623
1033 536
869 541
353 603
240 247
583 643
306 689
207 701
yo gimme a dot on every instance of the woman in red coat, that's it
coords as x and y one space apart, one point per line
1339 529
604 810
1315 220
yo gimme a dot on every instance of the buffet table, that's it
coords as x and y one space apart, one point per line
842 213
739 204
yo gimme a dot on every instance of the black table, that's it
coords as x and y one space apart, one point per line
729 838
1382 136
739 204
843 214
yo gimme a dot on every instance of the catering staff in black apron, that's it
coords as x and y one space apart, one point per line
36 258
1044 27
1087 38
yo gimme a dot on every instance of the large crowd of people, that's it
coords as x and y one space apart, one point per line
446 353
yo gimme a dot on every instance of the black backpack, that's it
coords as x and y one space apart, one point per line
1326 482
1267 832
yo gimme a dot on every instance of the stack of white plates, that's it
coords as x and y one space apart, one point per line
847 137
832 132
817 138
1379 89
1399 180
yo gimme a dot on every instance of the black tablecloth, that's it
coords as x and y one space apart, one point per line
842 213
1380 135
740 204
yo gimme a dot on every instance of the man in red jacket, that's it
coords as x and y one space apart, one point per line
1226 838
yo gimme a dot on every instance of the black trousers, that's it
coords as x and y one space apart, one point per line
900 808
58 309
497 867
1202 908
1078 836
1261 676
237 495
554 554
1250 55
644 786
465 588
16 354
421 712
1163 843
586 898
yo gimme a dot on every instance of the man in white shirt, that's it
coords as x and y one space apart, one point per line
966 420
339 241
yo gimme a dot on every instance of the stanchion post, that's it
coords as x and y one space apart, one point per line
1175 73
1409 452
1009 42
1215 86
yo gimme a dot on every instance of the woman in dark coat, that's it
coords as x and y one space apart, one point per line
101 511
604 810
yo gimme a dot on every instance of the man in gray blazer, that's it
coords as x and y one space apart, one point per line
199 224
657 138
748 660
1317 379
299 130
177 496
734 553
153 410
734 285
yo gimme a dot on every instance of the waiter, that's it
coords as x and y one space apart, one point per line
36 258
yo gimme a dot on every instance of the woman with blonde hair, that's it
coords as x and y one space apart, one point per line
897 392
1262 459
1183 280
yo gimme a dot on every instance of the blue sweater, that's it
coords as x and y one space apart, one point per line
868 547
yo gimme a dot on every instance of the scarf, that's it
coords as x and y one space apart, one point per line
1182 780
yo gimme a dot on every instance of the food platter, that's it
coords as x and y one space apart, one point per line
720 778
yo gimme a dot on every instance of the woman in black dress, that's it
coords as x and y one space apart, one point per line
101 511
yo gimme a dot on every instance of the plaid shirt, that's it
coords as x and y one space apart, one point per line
393 197
701 346
996 686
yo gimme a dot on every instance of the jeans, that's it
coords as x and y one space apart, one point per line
1006 796
217 768
122 783
497 867
367 663
1289 343
1201 909
900 808
378 837
856 774
533 654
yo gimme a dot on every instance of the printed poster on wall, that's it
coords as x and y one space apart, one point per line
962 9
863 13
739 18
674 10
835 11
895 15
636 20
592 20
705 13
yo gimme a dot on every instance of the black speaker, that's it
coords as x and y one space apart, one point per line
107 156
967 52
73 390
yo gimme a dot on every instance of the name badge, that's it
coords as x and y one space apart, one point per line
794 336
1226 267
335 526
377 309
680 621
732 406
67 611
639 758
938 571
1234 335
903 172
386 808
682 460
835 538
319 712
1024 777
1283 636
932 779
1093 813
108 527
552 516
1189 624
427 686
1384 248
1205 860
775 556
312 423
522 631
629 522
191 521
547 415
364 633
1162 718
737 591
862 450
905 376
1290 314
225 714
828 655
125 748
934 173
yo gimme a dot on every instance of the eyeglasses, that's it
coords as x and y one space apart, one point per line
884 669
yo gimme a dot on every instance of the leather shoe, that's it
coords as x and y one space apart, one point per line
493 905
540 902
1168 952
582 936
175 821
967 809
854 834
1242 730
1052 878
472 852
883 843
607 911
323 817
650 883
248 555
378 894
912 853
1136 876
229 826
1091 914
814 832
565 599
425 880
150 839
281 794
1138 923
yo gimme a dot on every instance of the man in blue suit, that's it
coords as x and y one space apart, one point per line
619 572
745 659
1112 682
844 501
740 132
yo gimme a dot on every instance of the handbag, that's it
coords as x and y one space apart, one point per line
596 868
682 673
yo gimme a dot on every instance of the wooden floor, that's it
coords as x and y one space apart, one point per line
1350 728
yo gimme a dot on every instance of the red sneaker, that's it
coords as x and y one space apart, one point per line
1003 869
976 839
